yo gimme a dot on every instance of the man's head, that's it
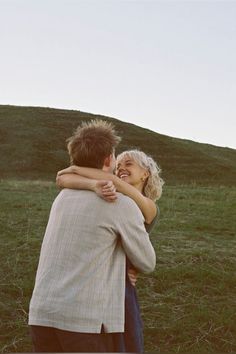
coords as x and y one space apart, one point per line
93 145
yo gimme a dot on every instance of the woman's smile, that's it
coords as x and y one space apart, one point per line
123 174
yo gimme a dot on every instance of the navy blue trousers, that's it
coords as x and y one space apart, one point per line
131 341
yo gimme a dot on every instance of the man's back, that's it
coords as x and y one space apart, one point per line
80 281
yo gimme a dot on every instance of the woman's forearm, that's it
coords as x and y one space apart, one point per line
90 172
74 181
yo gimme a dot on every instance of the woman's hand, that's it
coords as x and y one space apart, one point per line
133 276
70 169
106 190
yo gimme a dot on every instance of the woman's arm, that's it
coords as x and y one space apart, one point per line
74 181
146 205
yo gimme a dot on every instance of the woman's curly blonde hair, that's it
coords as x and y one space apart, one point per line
153 185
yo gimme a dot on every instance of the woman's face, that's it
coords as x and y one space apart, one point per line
131 172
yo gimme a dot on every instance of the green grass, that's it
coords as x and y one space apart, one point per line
188 304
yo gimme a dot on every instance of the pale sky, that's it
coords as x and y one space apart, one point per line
169 66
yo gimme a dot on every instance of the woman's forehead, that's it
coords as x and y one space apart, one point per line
124 158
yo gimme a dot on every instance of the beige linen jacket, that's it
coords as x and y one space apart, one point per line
80 280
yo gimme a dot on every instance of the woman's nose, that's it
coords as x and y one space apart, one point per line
121 169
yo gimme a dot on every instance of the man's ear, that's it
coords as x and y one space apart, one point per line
107 161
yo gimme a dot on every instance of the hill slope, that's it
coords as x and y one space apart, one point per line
32 146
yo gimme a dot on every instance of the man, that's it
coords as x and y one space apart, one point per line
78 299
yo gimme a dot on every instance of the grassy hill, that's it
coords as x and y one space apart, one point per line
33 147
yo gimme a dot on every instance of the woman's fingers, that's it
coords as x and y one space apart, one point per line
65 170
133 275
108 188
110 199
108 193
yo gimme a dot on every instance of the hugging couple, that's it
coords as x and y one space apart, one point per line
95 243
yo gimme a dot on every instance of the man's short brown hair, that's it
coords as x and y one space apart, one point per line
91 143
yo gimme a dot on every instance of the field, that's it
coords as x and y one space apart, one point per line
188 304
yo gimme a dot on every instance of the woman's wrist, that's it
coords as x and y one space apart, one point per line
75 169
116 181
93 185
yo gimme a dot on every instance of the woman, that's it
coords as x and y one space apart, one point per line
137 176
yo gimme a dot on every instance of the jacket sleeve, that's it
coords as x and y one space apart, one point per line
135 240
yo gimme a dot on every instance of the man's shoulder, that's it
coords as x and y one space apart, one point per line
128 210
123 202
122 198
126 202
65 192
68 194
